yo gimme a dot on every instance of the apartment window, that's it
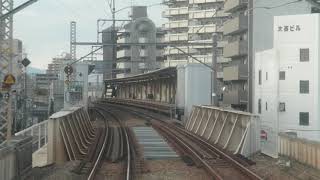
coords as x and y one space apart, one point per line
304 119
304 87
304 55
266 76
266 106
260 77
259 106
282 75
282 107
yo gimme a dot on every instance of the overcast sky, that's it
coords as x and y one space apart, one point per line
44 26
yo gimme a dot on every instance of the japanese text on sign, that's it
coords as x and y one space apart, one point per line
292 28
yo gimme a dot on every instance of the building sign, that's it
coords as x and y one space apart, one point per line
291 28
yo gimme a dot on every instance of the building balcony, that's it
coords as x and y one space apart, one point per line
236 49
204 1
160 53
235 73
169 2
123 53
123 40
223 60
235 97
175 12
143 40
176 37
202 14
209 28
232 5
174 51
160 40
176 24
174 63
202 58
143 53
219 75
235 25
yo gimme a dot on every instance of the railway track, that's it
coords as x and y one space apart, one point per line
217 163
112 144
121 146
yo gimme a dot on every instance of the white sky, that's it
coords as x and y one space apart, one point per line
44 26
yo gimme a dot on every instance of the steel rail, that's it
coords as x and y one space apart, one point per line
233 162
97 162
182 142
129 163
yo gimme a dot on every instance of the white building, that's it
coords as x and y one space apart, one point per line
287 81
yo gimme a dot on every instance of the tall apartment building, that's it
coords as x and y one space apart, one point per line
57 63
134 59
194 21
236 80
250 29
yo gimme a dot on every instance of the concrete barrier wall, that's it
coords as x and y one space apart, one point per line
70 133
16 158
234 131
302 150
7 163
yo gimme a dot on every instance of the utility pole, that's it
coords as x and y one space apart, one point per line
214 92
114 39
6 44
73 39
6 55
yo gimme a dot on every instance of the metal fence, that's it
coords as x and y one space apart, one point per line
301 150
39 133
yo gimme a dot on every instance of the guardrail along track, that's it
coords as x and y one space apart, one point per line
219 164
95 155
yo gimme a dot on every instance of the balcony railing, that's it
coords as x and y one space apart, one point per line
123 53
201 14
235 49
209 28
235 25
176 24
235 97
231 5
176 37
203 1
175 11
236 72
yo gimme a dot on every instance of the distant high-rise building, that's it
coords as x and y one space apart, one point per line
57 63
193 21
134 59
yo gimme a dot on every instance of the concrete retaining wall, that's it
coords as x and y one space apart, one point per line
234 131
70 133
16 158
